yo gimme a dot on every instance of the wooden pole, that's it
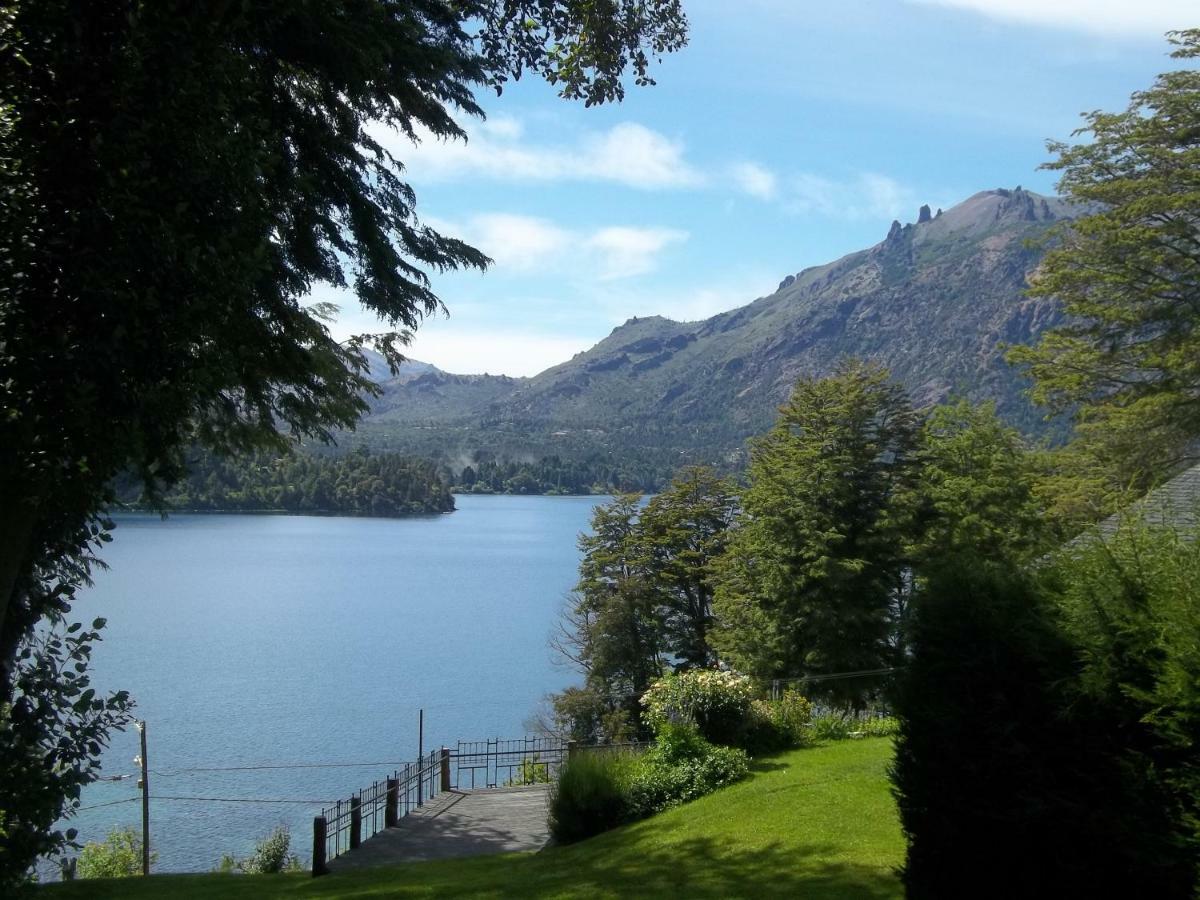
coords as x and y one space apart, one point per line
355 821
320 831
391 811
445 770
420 756
144 784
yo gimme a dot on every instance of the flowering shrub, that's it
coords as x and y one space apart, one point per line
716 702
775 725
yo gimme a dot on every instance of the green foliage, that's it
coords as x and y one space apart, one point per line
977 488
1128 356
224 159
716 703
531 771
816 564
262 120
590 796
120 856
359 483
1131 608
594 473
999 766
679 768
644 599
836 727
601 788
51 734
683 531
775 725
271 855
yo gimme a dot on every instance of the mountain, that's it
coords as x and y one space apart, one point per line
934 301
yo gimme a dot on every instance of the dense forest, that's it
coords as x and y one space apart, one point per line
597 474
358 483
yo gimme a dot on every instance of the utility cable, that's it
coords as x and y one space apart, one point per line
110 803
258 768
241 800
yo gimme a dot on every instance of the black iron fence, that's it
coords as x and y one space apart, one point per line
345 825
471 765
506 763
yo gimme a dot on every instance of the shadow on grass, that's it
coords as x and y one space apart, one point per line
696 868
703 867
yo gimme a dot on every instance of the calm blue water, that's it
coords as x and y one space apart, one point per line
252 640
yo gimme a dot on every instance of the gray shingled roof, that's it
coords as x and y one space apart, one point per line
1176 503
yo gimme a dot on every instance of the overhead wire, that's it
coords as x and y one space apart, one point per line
265 766
110 803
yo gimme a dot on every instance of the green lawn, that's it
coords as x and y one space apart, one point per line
817 823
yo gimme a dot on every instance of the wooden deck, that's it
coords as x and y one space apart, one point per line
459 823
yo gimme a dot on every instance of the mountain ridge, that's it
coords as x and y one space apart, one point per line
933 301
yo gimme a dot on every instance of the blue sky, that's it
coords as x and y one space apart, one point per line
785 135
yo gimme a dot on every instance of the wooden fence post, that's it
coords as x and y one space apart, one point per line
355 821
391 811
445 770
318 857
572 749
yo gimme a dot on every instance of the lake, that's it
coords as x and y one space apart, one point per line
266 640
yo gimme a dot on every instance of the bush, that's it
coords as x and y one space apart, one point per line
1007 779
590 796
600 789
839 728
270 856
531 771
682 770
716 702
776 725
120 856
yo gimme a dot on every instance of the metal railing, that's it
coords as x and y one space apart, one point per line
506 763
471 765
345 825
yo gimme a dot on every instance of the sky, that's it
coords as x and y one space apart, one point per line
785 135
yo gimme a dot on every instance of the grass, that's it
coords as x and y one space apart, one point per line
817 823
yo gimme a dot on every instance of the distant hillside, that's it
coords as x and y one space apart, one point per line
933 301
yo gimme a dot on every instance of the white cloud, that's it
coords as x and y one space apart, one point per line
496 352
516 243
524 244
1145 17
628 154
625 252
755 180
867 195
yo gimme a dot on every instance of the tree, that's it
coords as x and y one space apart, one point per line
816 563
1130 606
1127 360
643 601
1048 722
683 531
611 629
1005 781
175 177
977 488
